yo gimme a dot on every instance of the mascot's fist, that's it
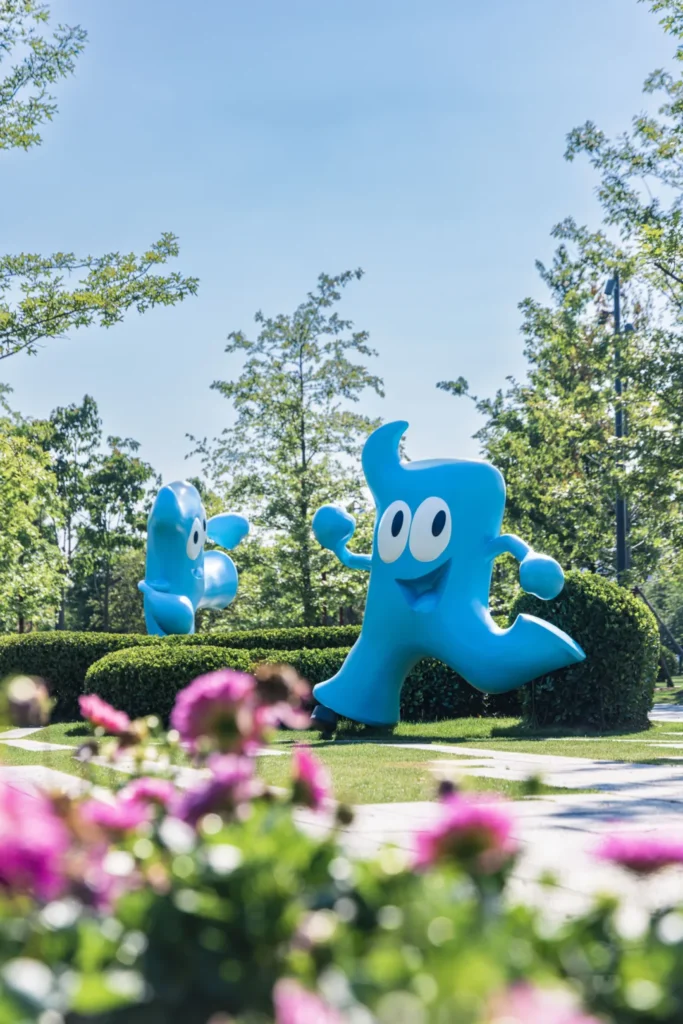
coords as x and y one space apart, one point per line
333 527
541 575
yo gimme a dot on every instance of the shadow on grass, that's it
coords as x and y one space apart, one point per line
353 732
79 729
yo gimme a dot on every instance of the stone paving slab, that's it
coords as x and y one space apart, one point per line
22 744
557 833
18 734
667 713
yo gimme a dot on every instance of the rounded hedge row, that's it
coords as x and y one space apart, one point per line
62 659
291 639
614 687
146 680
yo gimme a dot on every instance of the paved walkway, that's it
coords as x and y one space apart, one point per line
558 833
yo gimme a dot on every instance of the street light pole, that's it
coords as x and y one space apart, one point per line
614 288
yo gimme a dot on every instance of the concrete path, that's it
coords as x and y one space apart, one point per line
667 713
557 833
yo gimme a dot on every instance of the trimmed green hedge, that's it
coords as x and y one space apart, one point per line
431 692
62 659
614 687
146 681
294 639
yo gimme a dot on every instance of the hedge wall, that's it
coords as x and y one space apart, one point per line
431 692
294 639
613 688
62 659
146 681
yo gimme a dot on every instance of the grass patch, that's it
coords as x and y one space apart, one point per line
670 695
513 735
371 773
61 761
366 768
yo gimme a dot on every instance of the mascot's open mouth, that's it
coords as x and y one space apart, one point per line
423 592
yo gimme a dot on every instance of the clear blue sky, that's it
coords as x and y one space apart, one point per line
422 141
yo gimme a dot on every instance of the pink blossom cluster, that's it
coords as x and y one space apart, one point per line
311 780
33 844
641 854
230 712
103 715
296 1005
527 1004
471 831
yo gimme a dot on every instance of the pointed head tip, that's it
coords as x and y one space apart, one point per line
380 457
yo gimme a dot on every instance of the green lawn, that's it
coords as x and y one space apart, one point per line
670 695
362 772
60 761
367 768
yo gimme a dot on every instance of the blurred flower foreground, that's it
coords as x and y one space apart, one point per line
212 901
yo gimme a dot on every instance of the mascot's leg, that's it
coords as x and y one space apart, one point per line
367 688
497 660
166 613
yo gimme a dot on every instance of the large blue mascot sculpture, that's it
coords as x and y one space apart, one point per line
179 576
437 534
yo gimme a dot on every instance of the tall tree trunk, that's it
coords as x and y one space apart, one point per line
305 546
105 606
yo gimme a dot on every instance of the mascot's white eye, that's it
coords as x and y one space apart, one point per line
393 531
195 542
431 530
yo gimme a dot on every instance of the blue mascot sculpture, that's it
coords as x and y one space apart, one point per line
179 576
436 536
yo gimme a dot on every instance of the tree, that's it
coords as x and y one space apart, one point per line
106 286
74 436
553 434
294 446
31 566
114 525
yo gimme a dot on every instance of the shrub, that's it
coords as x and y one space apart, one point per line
62 660
319 637
199 898
613 688
144 681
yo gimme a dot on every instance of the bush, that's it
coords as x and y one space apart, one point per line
671 660
62 660
144 681
613 688
318 637
199 898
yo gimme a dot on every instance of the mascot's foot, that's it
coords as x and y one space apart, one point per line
324 719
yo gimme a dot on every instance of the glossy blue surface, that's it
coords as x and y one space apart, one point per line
180 577
437 534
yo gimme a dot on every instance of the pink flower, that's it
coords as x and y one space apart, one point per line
295 1005
118 818
311 779
104 715
149 791
33 844
641 854
231 783
524 1004
475 832
218 707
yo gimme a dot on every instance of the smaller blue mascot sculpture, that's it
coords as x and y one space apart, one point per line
437 533
179 576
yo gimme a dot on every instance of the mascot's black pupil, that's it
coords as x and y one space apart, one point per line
396 524
438 523
196 536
